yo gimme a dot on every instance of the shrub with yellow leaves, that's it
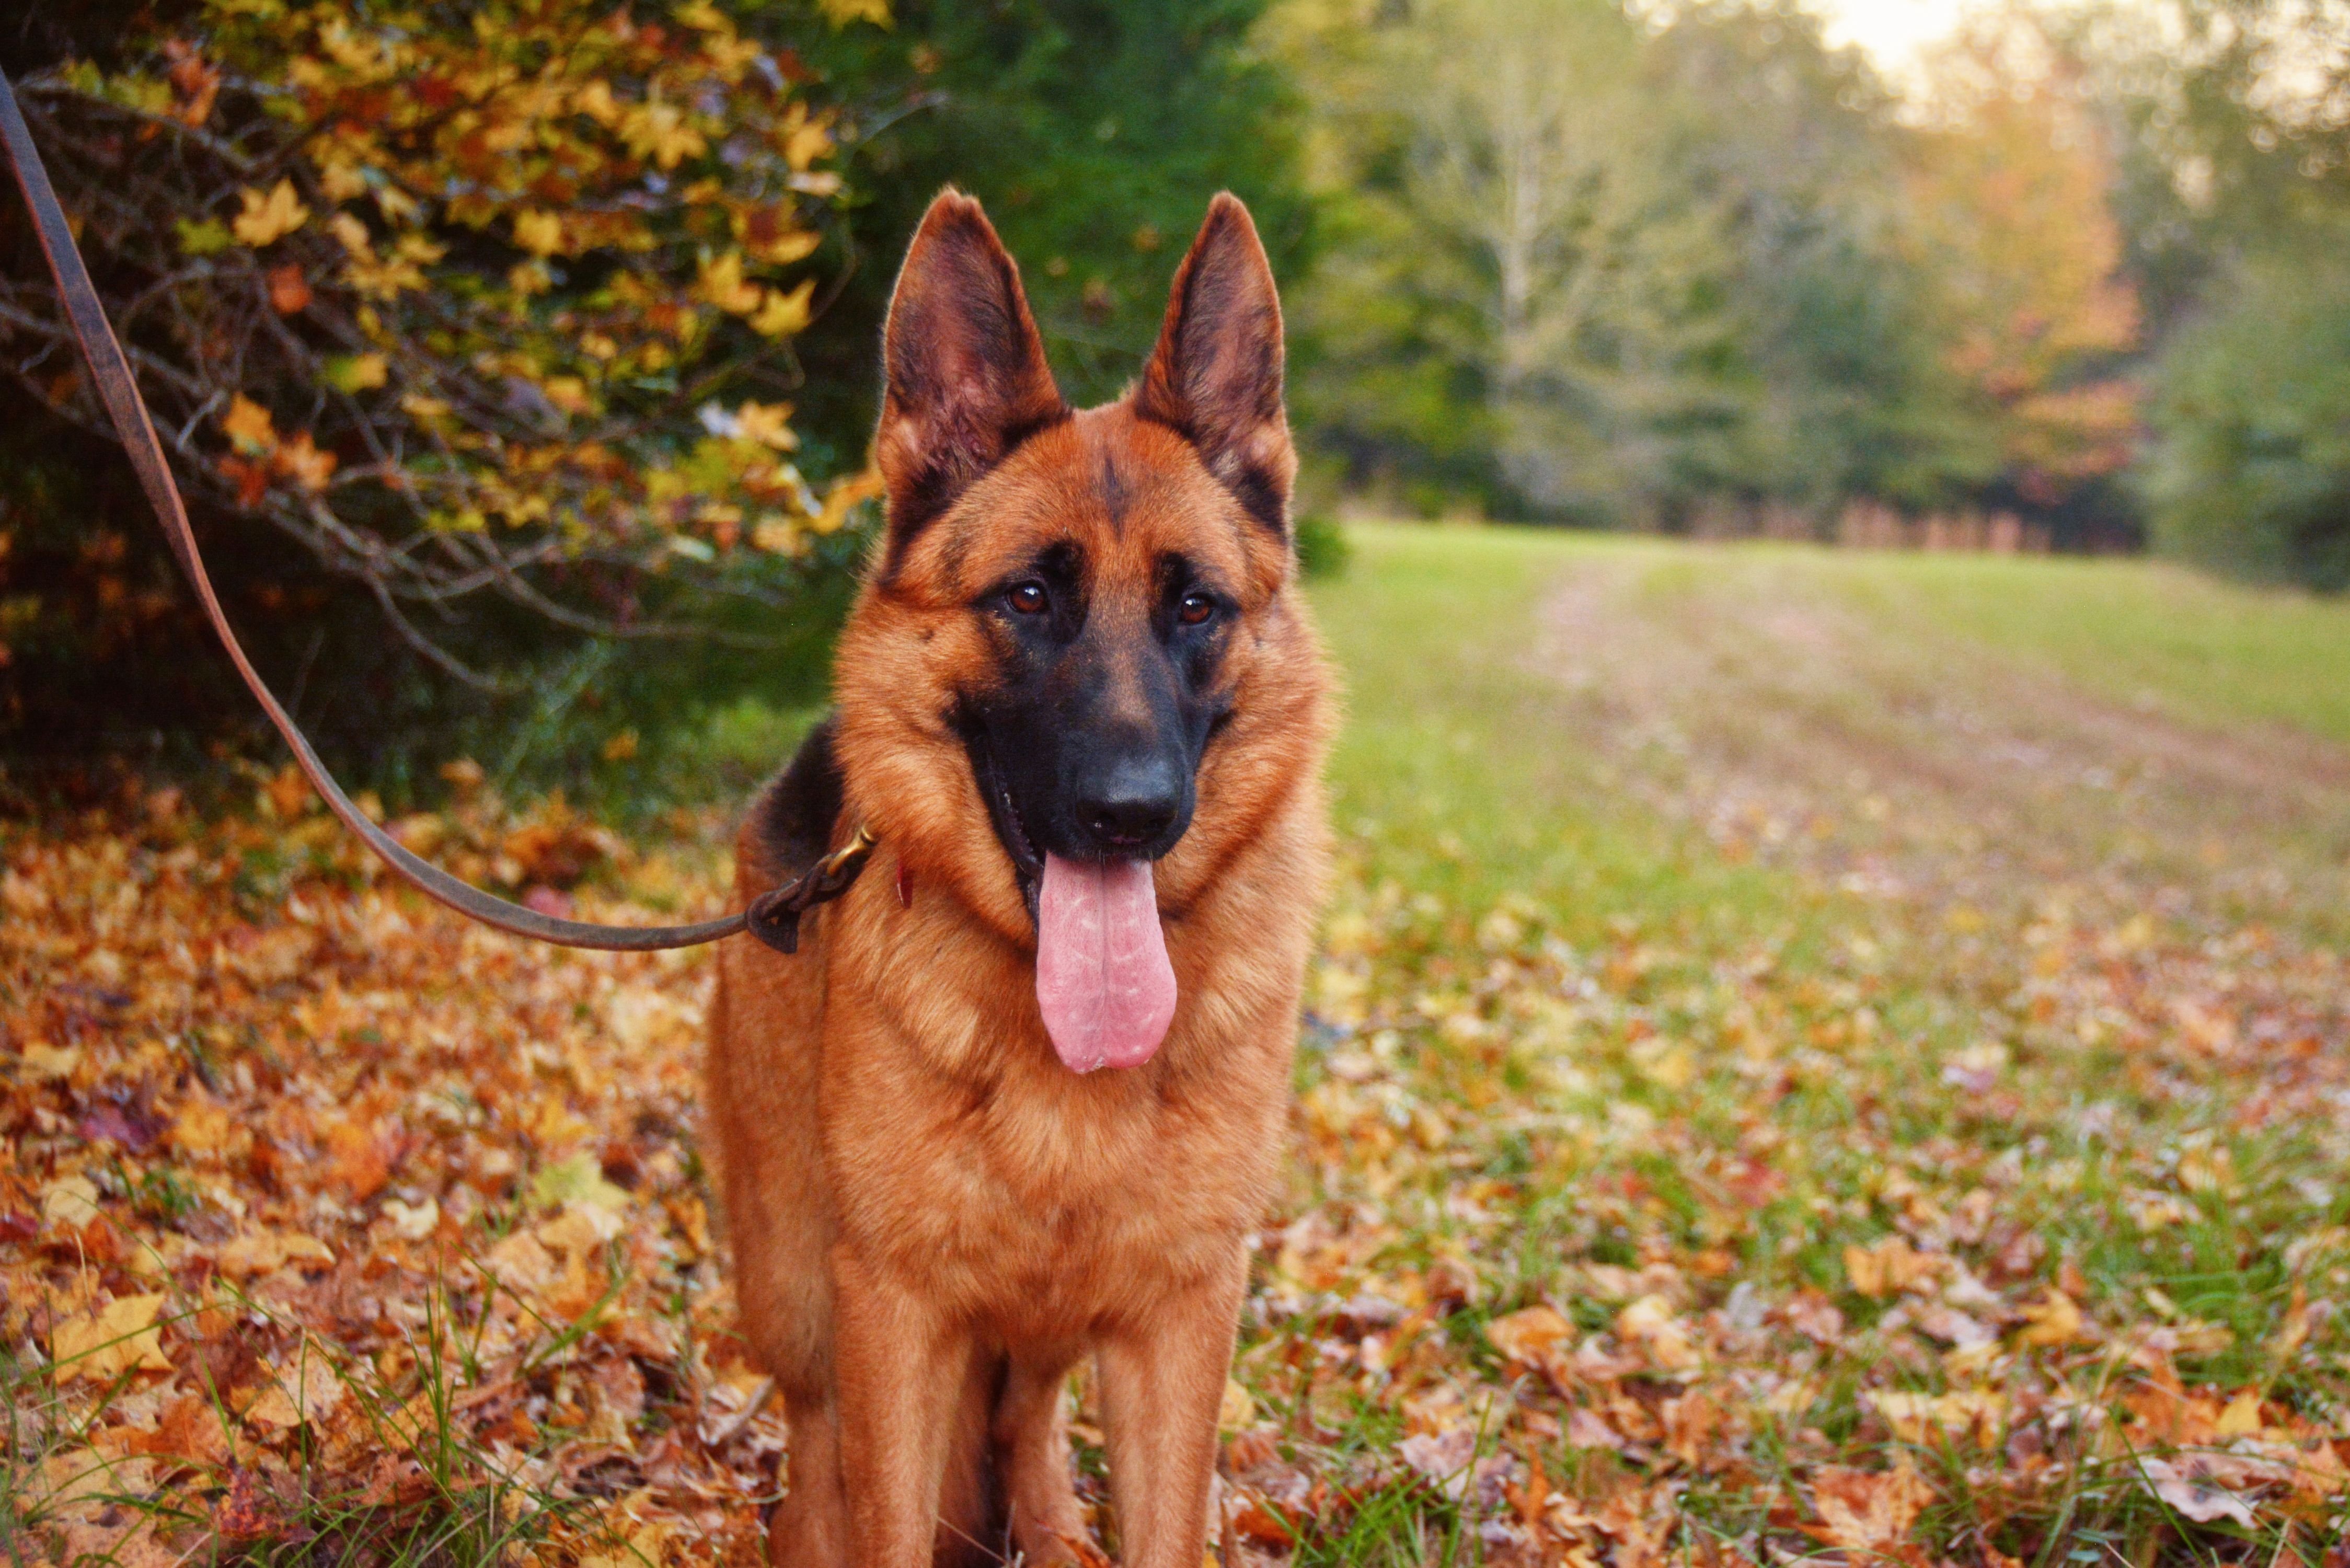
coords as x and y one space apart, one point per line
468 299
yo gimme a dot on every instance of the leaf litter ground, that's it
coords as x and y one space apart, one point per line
1830 1095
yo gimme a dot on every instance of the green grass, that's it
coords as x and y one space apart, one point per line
2128 628
1462 770
1628 938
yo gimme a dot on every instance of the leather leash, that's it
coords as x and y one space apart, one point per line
773 917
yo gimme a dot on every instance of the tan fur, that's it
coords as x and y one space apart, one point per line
932 1219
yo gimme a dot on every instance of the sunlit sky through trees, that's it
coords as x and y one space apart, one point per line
1892 31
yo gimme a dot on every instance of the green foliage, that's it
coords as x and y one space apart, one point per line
1585 268
1841 391
1093 132
2236 198
1322 550
2249 471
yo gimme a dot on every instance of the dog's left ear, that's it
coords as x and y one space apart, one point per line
1216 373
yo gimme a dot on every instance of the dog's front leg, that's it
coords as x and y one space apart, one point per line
900 1365
1162 1381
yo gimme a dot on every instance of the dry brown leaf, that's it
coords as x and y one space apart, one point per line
248 1256
2055 1322
1890 1267
1867 1512
124 1336
307 1391
1649 1323
1529 1335
2192 1495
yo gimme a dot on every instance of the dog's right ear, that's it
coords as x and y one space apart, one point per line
966 370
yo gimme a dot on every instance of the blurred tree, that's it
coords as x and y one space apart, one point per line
1621 270
2012 183
2250 467
2236 203
1528 297
1847 390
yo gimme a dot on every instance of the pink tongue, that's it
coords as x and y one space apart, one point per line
1102 974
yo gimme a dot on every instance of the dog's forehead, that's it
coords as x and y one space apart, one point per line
1127 493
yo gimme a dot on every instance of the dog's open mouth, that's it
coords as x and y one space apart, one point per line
1104 982
1027 860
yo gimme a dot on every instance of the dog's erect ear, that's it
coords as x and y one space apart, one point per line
967 378
1216 373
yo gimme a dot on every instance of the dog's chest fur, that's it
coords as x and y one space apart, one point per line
956 1141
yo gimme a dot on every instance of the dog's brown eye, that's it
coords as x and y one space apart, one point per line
1195 609
1028 599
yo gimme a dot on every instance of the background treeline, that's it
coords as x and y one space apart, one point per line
520 357
1590 267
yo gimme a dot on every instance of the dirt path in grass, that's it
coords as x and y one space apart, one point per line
1738 691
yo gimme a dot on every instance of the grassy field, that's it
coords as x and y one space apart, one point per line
1815 1055
1906 980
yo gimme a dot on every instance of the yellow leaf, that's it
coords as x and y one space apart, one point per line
2295 1330
122 1336
841 13
721 284
1237 1409
297 460
846 493
765 422
266 219
353 234
397 205
1889 1268
55 1063
249 426
540 233
595 101
1649 1323
660 131
266 1252
1527 1336
70 1202
568 393
384 280
2241 1419
359 372
729 55
2055 1322
204 1127
308 1392
805 143
780 315
579 1180
768 235
1928 1418
1869 1513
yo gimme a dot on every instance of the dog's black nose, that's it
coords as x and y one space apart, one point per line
1131 801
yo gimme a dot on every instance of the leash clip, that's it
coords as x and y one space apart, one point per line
773 917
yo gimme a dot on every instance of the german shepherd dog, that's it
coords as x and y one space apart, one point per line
1021 1093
